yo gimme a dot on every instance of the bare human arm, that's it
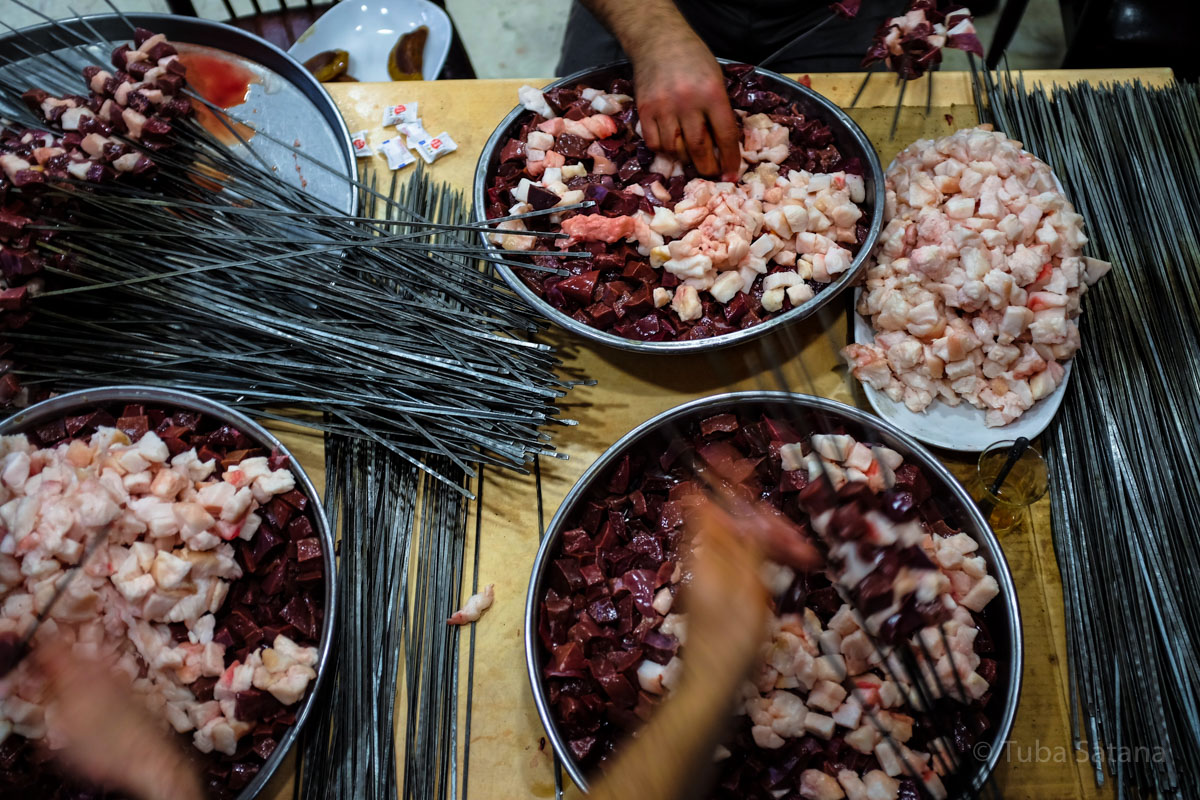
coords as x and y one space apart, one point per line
671 757
681 96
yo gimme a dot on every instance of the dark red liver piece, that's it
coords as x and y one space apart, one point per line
277 460
296 499
241 773
52 432
299 528
253 705
308 550
264 746
278 512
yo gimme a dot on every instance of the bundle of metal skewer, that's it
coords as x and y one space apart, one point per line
403 537
220 277
1122 454
381 331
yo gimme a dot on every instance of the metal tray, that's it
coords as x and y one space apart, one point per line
1004 613
62 405
287 103
850 140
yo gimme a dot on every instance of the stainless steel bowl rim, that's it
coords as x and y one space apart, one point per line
835 115
892 436
61 405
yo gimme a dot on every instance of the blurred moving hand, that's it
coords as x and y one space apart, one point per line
112 740
671 757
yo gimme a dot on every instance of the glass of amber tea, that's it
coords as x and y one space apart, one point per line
1025 484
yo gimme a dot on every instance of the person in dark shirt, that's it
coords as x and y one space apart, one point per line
680 90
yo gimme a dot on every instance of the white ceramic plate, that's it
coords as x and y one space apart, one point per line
369 30
962 427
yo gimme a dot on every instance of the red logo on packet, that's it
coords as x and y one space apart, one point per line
435 144
360 143
399 109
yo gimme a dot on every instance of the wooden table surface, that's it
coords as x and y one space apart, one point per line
509 757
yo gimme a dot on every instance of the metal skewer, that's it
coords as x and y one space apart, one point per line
861 87
793 42
1123 535
896 114
12 654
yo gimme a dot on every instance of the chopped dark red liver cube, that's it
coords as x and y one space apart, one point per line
277 594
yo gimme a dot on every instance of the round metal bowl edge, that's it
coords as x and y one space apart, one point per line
910 448
831 113
57 407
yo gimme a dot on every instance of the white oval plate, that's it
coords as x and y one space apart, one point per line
962 427
369 30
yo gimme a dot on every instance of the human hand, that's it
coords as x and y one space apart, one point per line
727 610
682 103
111 739
725 598
775 535
726 595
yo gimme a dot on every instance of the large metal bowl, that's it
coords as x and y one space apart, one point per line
849 138
84 399
1004 616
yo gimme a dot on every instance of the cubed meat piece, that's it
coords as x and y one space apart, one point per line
816 785
981 593
833 447
820 725
766 738
881 786
826 695
852 785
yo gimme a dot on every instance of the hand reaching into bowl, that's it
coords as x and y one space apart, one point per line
727 611
681 98
110 738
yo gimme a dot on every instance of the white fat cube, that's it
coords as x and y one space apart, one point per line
960 207
775 222
821 725
764 245
888 758
827 696
521 191
792 456
796 217
540 140
848 714
280 481
800 294
835 447
981 593
726 285
772 299
857 188
780 280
